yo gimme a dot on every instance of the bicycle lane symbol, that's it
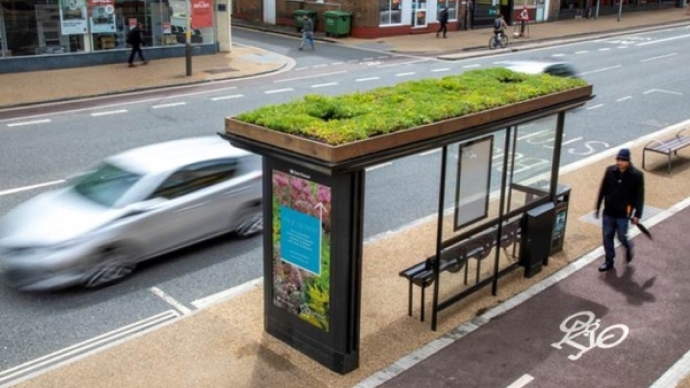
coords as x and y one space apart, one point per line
581 333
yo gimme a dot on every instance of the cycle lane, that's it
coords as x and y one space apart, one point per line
642 311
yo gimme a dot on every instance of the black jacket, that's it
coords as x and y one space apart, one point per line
443 17
621 191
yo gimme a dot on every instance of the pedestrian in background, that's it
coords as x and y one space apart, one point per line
622 191
443 22
135 40
307 32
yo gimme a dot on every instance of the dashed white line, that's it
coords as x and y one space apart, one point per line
353 60
605 49
443 69
600 70
336 63
558 55
170 105
112 112
430 152
25 188
663 40
324 85
581 52
623 98
405 74
527 136
597 106
279 91
29 123
321 65
622 47
473 65
227 97
310 76
171 301
300 68
522 381
378 166
382 57
367 79
659 57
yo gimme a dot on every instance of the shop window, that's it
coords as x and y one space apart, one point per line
390 12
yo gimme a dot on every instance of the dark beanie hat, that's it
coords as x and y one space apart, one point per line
624 154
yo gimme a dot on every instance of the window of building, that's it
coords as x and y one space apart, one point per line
452 8
390 12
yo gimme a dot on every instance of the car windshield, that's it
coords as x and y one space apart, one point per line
106 184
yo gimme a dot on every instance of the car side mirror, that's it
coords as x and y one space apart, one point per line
145 206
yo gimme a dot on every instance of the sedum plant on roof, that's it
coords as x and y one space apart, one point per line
362 115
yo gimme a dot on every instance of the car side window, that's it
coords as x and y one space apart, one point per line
196 177
560 71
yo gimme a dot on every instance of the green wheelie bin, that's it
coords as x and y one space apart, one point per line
337 22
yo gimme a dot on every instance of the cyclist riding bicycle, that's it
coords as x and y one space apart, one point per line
499 26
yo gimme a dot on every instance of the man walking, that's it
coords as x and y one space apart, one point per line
443 20
622 191
307 32
134 39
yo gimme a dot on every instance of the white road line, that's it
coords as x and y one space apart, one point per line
523 137
300 68
405 74
171 301
367 79
228 294
500 62
600 70
324 85
443 69
279 91
337 63
402 63
309 76
29 123
112 112
597 106
581 52
622 47
82 349
558 55
472 65
662 91
521 382
382 57
571 141
678 372
368 59
426 153
353 60
382 165
605 49
321 65
170 105
659 57
227 97
623 98
663 40
25 188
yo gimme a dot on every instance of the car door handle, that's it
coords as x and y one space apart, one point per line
191 207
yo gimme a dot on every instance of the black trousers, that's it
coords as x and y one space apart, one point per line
443 27
136 49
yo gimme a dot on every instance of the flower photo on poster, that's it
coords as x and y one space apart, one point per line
301 247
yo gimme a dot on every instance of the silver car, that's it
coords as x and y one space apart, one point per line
558 69
134 206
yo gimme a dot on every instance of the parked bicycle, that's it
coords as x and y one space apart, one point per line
498 39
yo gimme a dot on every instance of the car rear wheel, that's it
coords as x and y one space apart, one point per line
251 221
116 264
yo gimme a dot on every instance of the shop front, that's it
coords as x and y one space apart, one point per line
43 34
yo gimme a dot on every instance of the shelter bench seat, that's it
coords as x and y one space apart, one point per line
455 257
667 147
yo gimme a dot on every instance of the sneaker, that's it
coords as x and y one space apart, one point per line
605 267
629 255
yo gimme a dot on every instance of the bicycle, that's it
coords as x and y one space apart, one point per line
500 39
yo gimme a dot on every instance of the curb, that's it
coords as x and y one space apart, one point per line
547 42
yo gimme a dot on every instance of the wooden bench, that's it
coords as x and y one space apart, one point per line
455 258
667 147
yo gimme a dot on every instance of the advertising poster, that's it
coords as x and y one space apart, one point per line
473 182
301 247
102 16
202 15
73 17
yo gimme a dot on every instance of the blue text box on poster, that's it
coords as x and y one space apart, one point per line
300 240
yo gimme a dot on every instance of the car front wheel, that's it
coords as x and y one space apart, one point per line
251 221
115 264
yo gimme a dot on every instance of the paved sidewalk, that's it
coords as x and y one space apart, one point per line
54 85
